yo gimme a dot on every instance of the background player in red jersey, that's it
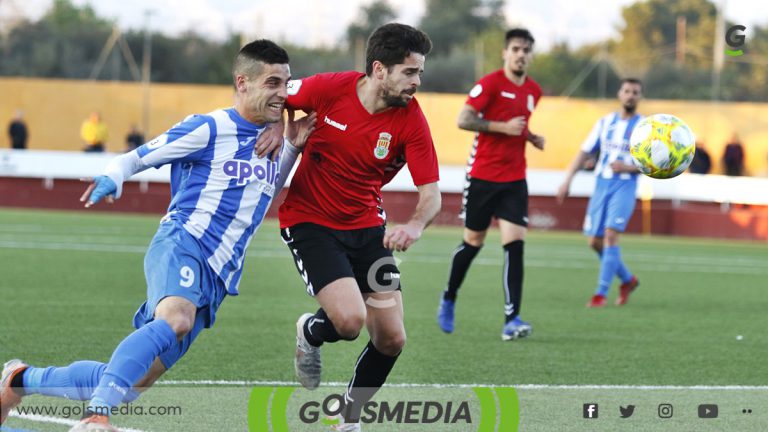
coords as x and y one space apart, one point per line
498 108
368 126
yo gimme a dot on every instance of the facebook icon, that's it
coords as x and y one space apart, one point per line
590 410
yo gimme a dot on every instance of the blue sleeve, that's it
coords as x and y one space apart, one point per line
184 142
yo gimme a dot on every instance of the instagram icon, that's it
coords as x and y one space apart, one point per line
665 410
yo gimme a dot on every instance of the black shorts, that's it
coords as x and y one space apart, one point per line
484 199
323 255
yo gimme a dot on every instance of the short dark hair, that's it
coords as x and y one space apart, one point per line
631 81
248 59
392 43
518 33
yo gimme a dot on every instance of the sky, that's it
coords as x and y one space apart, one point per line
316 23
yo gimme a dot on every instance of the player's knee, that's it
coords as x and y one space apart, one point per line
181 324
391 345
475 238
178 313
348 325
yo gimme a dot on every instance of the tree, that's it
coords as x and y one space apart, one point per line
455 23
369 19
649 34
64 43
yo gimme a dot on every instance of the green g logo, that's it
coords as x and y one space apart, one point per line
735 40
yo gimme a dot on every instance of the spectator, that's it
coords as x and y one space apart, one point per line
134 139
17 131
733 157
94 132
701 163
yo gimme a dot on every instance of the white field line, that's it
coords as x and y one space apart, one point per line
129 244
243 383
56 420
644 262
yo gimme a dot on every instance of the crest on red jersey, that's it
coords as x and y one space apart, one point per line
382 145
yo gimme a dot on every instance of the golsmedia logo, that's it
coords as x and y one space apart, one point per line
482 409
735 39
244 172
408 412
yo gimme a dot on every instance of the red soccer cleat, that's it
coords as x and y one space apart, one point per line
625 290
597 301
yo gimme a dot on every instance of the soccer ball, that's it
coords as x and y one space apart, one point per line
662 146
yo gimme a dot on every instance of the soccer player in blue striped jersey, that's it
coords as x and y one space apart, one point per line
226 168
613 200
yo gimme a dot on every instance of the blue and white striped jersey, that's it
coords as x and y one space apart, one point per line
610 136
220 189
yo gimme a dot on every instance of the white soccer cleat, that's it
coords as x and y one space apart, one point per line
8 398
307 362
346 427
341 426
94 423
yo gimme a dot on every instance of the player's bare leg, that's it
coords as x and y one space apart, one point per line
341 316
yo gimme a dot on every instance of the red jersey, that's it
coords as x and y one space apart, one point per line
497 157
351 154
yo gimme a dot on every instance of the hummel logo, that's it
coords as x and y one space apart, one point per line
335 124
247 141
508 95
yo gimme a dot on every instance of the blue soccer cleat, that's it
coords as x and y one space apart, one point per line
445 315
516 329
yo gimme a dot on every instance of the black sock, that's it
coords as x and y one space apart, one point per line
462 258
17 383
319 329
513 279
371 372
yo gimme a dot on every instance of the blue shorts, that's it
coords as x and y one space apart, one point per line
174 266
610 206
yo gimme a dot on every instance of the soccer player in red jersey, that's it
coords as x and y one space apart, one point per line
368 126
498 109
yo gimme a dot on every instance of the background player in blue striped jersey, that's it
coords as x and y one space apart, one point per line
222 184
613 200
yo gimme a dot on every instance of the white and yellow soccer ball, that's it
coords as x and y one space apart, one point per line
662 146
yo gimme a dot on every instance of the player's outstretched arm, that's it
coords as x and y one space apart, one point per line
575 165
109 186
401 237
100 187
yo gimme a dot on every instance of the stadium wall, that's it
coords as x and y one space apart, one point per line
690 205
56 108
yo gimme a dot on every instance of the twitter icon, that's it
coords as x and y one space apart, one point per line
626 412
